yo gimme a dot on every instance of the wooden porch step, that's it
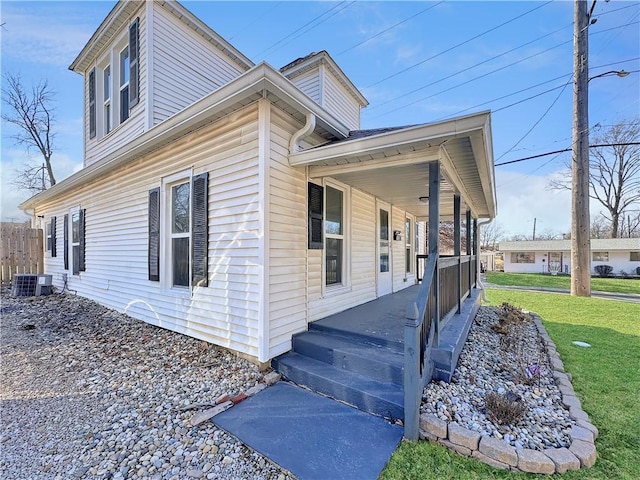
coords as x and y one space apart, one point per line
379 362
365 393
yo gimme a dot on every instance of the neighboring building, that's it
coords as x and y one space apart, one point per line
234 202
544 256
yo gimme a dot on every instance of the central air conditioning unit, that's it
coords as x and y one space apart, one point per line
31 285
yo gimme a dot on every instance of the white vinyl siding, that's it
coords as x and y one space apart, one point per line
309 83
186 67
226 312
361 256
339 102
103 144
287 238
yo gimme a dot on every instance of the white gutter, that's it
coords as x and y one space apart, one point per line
309 127
431 131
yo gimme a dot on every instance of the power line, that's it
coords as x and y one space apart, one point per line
471 67
389 28
539 119
562 151
531 87
283 39
458 45
490 73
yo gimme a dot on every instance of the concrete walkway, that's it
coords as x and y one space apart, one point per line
311 436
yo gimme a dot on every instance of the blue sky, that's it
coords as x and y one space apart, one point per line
415 62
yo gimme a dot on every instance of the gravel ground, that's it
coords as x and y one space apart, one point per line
87 392
493 362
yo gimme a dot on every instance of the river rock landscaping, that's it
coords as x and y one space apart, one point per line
87 392
540 427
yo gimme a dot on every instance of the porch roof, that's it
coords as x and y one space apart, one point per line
391 163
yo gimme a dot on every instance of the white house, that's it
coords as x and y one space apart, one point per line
543 256
237 202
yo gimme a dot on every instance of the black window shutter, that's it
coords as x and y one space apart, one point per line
82 230
65 236
134 63
200 234
53 237
154 234
92 103
315 207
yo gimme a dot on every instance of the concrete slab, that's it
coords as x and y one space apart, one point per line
313 437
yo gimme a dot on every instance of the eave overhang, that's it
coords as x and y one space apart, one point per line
262 81
463 146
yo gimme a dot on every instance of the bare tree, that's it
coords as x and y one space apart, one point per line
614 171
600 227
490 236
32 113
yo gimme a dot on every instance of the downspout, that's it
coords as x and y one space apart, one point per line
301 134
480 284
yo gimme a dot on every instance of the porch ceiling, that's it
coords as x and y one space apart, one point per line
393 165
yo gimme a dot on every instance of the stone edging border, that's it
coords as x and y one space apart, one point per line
498 453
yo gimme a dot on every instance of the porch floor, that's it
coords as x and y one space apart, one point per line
381 320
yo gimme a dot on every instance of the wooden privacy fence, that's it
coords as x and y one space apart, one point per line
21 250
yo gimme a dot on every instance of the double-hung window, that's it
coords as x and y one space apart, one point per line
178 234
114 82
106 84
334 236
408 258
124 84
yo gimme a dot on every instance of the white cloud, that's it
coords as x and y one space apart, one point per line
30 37
523 198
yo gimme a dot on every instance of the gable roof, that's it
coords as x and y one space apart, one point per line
313 60
122 12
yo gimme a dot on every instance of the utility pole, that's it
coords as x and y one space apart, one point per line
534 228
580 219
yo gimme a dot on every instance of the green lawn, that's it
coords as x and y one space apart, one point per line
606 377
613 285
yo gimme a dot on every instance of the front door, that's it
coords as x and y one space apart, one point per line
383 242
555 262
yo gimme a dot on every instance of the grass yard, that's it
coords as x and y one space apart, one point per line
606 377
612 285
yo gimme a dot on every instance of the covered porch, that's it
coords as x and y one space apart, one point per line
379 356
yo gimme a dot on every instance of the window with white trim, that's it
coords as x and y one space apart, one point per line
179 233
106 96
523 257
600 256
115 79
124 84
178 220
408 259
634 256
334 236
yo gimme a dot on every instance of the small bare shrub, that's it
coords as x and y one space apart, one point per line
504 409
509 315
603 271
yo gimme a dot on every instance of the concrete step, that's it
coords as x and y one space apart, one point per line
365 393
389 342
379 362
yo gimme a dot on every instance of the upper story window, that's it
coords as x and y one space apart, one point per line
115 84
124 84
106 81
